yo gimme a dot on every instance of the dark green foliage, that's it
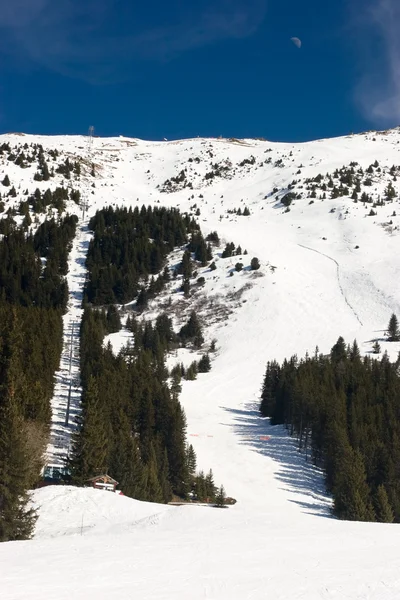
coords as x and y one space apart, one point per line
30 348
238 266
65 168
191 332
199 247
185 268
22 279
129 245
376 348
344 411
220 498
229 250
56 199
204 364
165 330
132 424
254 264
383 510
288 198
113 321
6 181
92 444
393 332
351 492
390 192
213 237
191 460
191 371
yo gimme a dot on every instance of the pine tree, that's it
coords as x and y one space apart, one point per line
376 348
351 492
164 477
393 332
383 510
17 520
17 472
91 443
113 319
338 351
204 364
192 330
210 486
255 264
154 489
186 265
200 487
220 498
191 460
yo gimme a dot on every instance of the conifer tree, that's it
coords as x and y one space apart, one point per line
254 264
153 488
393 332
376 348
351 492
91 444
17 519
383 510
210 486
164 477
17 474
191 460
220 498
204 364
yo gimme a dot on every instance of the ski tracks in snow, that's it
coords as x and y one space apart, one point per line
338 278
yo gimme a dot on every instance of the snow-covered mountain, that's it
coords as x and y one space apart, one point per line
329 267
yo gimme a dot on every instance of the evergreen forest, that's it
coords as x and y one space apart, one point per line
128 246
132 424
344 410
33 297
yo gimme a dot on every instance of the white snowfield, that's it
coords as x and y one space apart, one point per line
279 541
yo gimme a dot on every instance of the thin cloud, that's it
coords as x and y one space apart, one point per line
378 92
74 39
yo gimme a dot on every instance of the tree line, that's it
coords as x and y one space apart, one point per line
32 300
33 266
30 350
345 412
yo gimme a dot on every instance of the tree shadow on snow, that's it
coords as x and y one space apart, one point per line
298 476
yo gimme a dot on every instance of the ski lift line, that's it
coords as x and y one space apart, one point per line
70 375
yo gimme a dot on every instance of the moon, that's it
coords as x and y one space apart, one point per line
296 41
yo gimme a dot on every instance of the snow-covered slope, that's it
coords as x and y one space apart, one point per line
327 269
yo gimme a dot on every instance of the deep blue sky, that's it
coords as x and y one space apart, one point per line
183 68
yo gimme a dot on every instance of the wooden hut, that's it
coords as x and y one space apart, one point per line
103 482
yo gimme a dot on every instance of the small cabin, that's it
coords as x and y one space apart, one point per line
103 482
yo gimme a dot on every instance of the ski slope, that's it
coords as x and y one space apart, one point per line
279 541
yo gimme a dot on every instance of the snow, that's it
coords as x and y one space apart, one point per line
279 540
67 393
72 511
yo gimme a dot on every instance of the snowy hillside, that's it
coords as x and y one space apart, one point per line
329 266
